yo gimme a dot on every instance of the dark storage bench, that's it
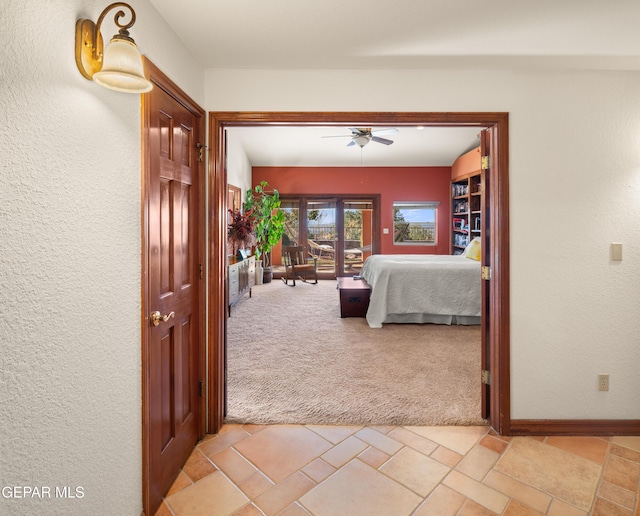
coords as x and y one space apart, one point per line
354 297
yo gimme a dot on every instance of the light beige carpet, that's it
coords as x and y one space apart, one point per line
292 359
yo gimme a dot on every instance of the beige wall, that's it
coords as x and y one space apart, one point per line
70 373
574 189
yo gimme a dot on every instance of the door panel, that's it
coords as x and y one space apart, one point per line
357 243
485 219
322 235
171 349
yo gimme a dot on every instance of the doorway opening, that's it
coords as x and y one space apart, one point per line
495 315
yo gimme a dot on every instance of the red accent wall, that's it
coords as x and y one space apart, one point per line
392 183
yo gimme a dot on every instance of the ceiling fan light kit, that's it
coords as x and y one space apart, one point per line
361 136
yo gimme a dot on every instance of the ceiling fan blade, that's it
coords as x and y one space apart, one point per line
381 140
352 142
380 132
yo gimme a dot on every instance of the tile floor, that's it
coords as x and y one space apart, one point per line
293 470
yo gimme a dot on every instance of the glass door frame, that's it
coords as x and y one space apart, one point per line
338 199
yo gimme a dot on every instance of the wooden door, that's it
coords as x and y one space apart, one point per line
172 340
495 290
486 262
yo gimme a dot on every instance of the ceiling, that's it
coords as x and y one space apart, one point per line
410 34
310 147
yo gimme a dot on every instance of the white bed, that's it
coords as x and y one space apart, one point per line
417 288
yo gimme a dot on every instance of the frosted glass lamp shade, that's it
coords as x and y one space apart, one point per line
122 68
361 140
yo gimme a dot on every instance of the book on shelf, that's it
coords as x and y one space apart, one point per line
460 189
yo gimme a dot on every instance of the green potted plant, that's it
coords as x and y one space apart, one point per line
268 223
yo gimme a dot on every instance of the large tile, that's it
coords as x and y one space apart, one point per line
414 470
617 495
493 443
478 462
476 491
444 501
255 485
214 495
590 448
621 472
604 507
279 451
234 465
284 494
625 453
560 473
528 495
630 441
359 489
446 456
457 438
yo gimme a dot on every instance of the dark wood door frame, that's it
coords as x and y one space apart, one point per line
498 204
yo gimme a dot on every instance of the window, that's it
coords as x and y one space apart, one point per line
414 223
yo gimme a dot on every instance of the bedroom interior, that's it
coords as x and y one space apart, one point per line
496 343
431 182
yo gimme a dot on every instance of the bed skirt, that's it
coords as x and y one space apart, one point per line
462 320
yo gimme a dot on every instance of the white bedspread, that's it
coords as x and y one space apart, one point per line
422 288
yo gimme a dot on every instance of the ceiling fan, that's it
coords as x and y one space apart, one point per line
363 135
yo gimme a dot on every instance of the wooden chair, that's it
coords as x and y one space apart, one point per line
297 265
318 250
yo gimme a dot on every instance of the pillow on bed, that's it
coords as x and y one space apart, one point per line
472 250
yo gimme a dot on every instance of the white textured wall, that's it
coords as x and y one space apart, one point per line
70 372
575 188
238 165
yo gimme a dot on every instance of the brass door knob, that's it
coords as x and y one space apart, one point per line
156 318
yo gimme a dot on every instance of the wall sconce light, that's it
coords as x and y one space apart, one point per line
120 66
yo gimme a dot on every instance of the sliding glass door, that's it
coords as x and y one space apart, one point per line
357 242
322 233
339 232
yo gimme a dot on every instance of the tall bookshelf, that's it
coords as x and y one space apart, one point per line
466 211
